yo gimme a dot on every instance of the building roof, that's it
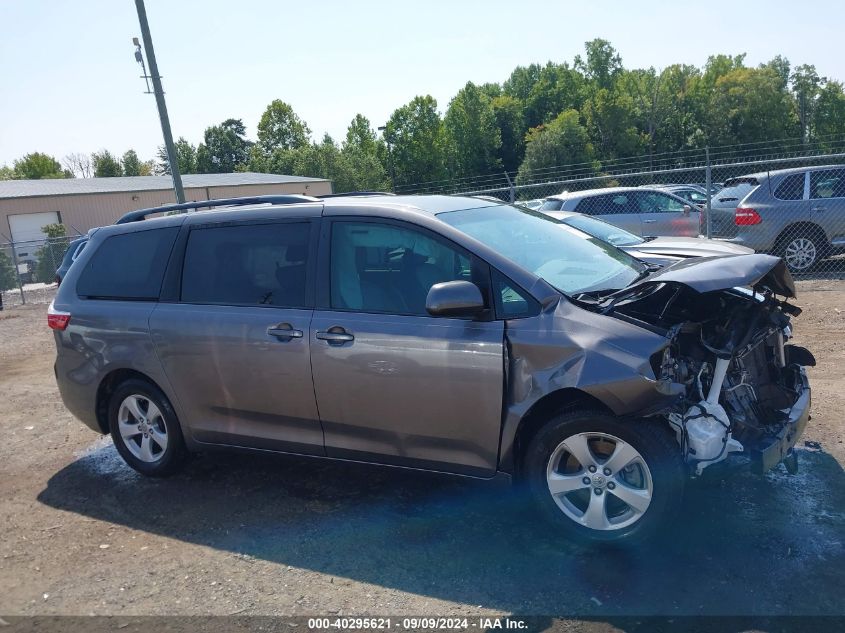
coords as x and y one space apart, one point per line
127 184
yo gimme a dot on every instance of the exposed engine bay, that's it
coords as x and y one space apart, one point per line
745 387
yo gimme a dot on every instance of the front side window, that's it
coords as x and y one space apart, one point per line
128 266
568 259
653 202
829 183
386 268
605 205
791 188
251 264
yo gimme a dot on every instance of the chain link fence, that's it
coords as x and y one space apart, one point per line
28 269
789 205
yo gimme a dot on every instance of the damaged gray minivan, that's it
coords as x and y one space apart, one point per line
442 333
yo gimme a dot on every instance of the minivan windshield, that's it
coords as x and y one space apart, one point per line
570 260
605 231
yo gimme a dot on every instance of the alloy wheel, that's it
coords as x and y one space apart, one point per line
142 428
599 481
800 253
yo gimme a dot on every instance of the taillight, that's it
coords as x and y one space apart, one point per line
56 319
746 217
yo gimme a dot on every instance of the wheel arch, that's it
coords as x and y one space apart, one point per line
539 412
110 382
796 228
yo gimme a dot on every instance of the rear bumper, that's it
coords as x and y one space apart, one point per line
773 450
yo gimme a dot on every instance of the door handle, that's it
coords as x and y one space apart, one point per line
819 209
649 221
284 331
335 336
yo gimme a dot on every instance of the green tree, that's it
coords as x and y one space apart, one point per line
563 144
186 157
828 120
558 87
610 118
781 67
106 164
280 127
806 83
415 135
472 133
36 165
50 255
511 123
521 81
8 278
602 64
748 106
132 165
6 172
225 148
365 157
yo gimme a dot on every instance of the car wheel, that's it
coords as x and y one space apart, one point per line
802 251
600 478
145 430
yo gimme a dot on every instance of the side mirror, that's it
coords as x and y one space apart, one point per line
687 209
454 299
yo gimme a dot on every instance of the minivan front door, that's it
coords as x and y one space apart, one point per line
235 347
393 384
662 214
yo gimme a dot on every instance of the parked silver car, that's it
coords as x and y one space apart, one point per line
661 251
639 210
798 214
692 194
443 333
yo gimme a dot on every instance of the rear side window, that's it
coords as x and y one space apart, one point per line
791 188
248 264
607 205
128 266
827 184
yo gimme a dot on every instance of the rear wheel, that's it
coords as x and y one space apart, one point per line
145 430
602 479
802 249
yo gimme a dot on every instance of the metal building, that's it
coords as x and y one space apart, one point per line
84 203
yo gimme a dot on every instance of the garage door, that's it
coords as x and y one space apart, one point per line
26 227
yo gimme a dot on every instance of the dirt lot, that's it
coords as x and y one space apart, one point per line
83 534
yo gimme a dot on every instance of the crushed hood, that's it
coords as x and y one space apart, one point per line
686 247
708 274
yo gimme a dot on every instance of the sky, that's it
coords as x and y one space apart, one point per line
70 82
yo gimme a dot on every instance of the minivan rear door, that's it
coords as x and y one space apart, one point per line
234 339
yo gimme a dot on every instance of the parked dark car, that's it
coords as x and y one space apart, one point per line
798 214
72 252
442 333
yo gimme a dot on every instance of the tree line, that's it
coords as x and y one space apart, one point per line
580 115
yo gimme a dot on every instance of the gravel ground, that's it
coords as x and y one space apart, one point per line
246 534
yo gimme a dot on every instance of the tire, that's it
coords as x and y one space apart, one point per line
802 249
151 444
652 480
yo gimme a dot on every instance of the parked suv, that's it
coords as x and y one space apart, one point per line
443 333
639 210
798 214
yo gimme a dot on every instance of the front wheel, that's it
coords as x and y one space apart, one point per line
603 479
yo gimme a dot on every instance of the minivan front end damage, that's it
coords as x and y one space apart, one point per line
745 386
703 346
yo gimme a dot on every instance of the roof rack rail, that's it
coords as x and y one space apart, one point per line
141 214
356 193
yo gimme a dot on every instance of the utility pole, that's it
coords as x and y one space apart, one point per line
159 94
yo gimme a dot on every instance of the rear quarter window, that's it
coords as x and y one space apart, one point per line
736 190
791 188
128 266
